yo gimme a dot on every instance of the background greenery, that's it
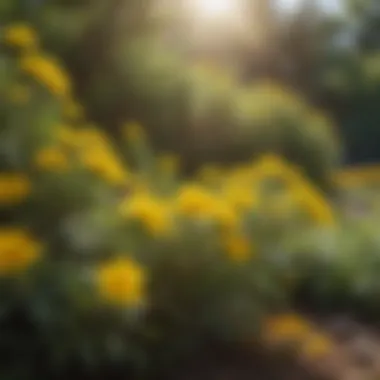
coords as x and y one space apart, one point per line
118 257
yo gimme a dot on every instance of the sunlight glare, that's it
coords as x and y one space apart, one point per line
215 8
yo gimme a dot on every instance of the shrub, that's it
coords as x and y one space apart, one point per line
102 264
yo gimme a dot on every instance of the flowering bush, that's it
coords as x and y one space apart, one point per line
101 263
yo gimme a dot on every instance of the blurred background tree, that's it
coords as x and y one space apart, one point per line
191 82
340 70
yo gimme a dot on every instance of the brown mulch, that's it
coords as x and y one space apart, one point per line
355 356
356 352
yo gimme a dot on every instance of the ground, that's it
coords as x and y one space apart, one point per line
356 356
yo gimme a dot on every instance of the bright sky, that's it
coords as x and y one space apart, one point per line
216 9
331 6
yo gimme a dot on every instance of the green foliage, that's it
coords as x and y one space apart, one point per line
196 258
74 217
133 71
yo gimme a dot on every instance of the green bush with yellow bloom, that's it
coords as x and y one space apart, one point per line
107 260
131 246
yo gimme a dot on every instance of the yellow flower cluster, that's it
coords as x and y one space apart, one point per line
242 198
51 158
14 188
302 335
18 251
21 36
44 69
158 216
272 165
121 282
221 198
197 202
48 72
97 155
89 147
314 203
305 195
153 213
92 150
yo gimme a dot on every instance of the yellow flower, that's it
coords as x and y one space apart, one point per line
48 73
92 137
154 214
194 201
238 247
270 165
321 213
133 132
51 158
224 214
316 346
14 188
240 197
121 282
314 203
19 94
286 329
105 164
21 36
18 251
97 154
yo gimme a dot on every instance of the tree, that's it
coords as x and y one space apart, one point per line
126 67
